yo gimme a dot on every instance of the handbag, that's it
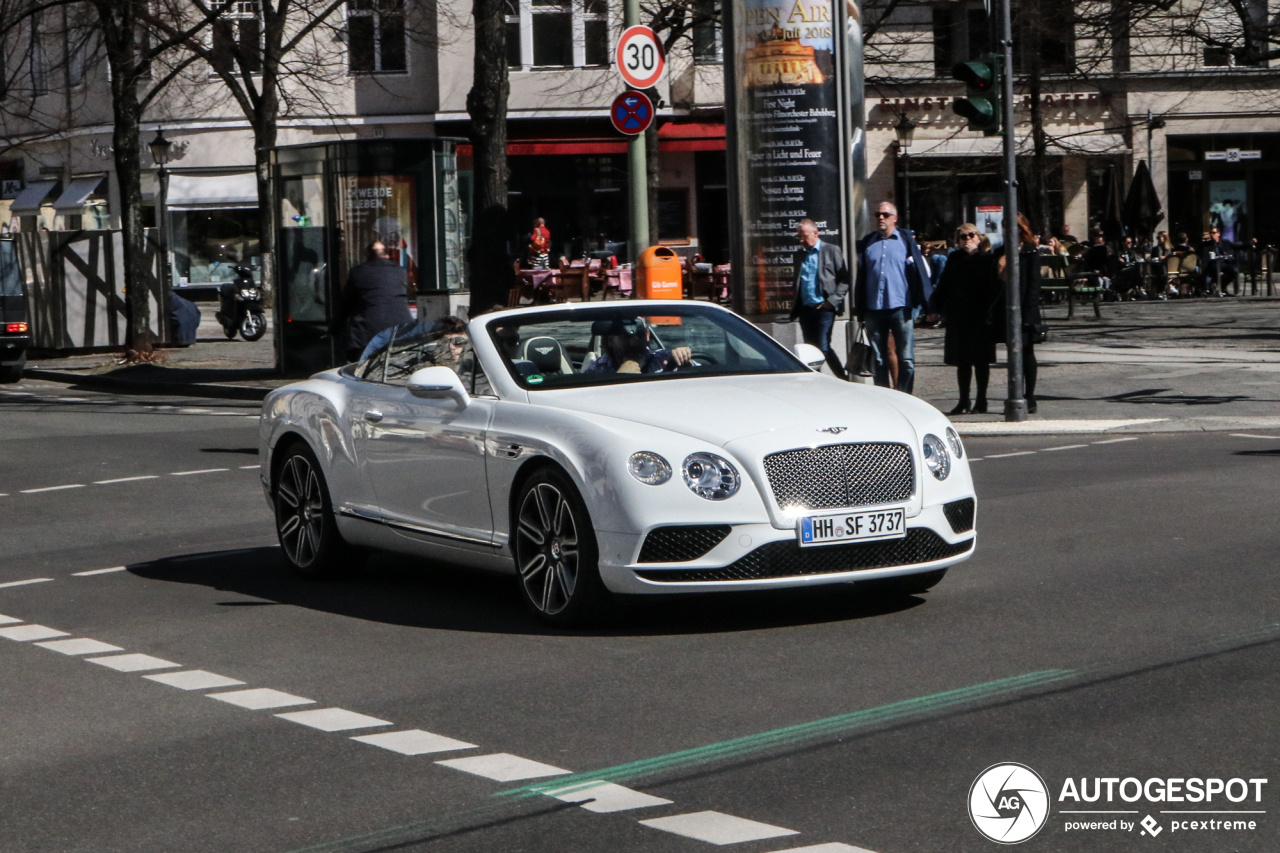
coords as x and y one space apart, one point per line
862 359
1039 332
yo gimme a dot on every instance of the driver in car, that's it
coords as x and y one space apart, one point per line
624 346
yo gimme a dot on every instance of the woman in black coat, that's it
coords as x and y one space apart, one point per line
964 295
1029 275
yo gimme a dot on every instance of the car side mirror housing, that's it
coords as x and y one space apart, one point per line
438 383
810 355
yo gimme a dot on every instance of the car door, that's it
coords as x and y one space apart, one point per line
426 458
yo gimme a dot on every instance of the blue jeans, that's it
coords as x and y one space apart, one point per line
815 326
898 321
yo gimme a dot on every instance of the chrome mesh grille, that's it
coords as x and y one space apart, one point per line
841 475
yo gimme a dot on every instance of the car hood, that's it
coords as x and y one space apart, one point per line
801 409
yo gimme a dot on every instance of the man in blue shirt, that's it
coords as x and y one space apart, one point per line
822 282
893 285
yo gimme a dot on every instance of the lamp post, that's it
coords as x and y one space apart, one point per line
1153 124
160 151
905 130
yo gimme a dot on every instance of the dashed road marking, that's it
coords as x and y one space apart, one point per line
414 742
1065 447
193 679
1113 440
1007 455
606 797
8 620
25 582
126 479
333 719
98 572
248 467
27 633
201 471
81 646
717 827
260 699
53 488
504 767
833 847
1251 435
133 663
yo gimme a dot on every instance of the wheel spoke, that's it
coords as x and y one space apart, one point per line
534 565
288 487
532 532
567 580
544 512
548 583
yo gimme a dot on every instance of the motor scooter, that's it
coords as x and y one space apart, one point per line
241 311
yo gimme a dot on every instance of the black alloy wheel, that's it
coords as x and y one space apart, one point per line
305 524
555 550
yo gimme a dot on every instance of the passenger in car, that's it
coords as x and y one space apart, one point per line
624 348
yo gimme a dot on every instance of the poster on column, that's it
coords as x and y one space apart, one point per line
382 208
1227 208
788 140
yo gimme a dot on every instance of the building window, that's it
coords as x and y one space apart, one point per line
237 34
959 35
558 33
39 61
513 33
595 29
708 41
552 34
376 36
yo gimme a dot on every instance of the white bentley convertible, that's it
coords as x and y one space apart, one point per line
631 447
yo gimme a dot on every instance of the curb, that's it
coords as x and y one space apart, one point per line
189 389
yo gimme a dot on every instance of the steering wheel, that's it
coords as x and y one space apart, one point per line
697 359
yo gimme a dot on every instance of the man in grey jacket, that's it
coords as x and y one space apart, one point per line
822 282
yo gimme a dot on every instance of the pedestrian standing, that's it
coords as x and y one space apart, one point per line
1029 296
376 297
893 285
822 282
965 296
540 245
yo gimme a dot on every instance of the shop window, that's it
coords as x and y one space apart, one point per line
673 216
208 244
708 40
237 38
376 36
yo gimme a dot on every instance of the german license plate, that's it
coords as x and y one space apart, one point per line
851 527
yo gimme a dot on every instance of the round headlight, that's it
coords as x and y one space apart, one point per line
936 457
953 439
649 468
711 477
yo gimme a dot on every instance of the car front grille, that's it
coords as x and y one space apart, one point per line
960 515
788 559
679 544
841 475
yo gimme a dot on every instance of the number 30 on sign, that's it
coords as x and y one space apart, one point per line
639 57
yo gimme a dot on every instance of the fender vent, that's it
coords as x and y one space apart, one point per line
681 544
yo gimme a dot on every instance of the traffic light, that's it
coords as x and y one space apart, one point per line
981 105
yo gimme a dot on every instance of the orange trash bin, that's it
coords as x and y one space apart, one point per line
659 275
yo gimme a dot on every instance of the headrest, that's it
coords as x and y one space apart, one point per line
629 326
546 353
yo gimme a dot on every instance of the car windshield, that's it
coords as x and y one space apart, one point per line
633 343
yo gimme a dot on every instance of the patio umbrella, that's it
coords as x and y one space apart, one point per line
1113 214
1142 211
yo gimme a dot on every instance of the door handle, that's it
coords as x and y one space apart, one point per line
372 416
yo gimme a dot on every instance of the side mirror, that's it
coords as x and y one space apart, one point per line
439 383
810 355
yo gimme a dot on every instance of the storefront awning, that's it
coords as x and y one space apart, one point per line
672 136
77 192
193 191
990 146
29 200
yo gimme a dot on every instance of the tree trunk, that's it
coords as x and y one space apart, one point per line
264 139
491 270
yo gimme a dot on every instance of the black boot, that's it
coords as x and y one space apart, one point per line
962 408
980 408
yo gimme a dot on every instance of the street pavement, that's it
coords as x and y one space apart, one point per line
1119 619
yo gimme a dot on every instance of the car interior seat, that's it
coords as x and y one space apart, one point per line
547 354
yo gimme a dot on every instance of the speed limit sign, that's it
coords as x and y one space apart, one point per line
639 57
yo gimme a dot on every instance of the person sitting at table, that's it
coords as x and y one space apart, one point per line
624 348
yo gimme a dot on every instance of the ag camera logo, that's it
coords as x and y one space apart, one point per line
1008 803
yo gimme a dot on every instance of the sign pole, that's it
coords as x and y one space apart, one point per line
637 168
1015 407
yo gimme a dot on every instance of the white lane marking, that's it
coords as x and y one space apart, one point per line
8 620
333 719
717 827
193 679
126 479
1251 435
833 847
26 633
133 663
53 488
25 582
98 572
247 467
606 797
1064 447
82 646
1113 441
1007 455
503 767
260 698
976 458
201 471
414 742
193 411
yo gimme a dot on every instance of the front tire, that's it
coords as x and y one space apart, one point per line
555 548
253 326
305 523
10 373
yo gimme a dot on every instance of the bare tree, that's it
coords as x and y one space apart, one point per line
487 105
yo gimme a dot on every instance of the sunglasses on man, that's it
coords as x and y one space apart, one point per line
884 213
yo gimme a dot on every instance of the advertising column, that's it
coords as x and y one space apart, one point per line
786 157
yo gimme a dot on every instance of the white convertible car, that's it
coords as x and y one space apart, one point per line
633 447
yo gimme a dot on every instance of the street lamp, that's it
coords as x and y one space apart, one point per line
905 129
161 148
1153 124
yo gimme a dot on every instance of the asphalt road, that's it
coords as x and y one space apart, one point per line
1120 619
